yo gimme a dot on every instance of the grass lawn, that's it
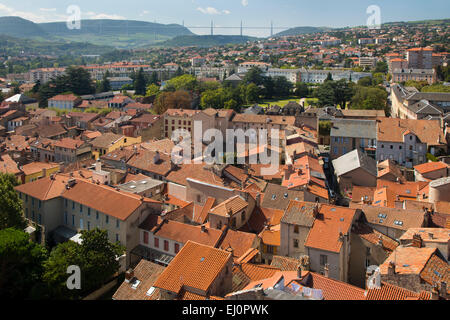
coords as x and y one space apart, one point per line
281 103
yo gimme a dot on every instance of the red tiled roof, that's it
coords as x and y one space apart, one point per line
324 234
195 266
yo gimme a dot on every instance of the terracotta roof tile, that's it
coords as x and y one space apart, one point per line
391 292
147 273
375 237
195 266
285 263
35 167
408 260
430 167
436 271
392 217
230 207
332 220
393 130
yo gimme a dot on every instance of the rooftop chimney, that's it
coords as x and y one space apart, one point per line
156 158
435 292
391 269
129 275
417 241
443 290
326 270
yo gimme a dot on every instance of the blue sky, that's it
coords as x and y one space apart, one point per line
229 13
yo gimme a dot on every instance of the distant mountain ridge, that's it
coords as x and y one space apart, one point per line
20 28
301 30
116 33
115 27
206 40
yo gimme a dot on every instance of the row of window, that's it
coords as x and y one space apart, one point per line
81 225
156 243
179 122
97 214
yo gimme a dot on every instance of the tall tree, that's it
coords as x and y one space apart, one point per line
20 264
282 87
105 85
95 256
11 209
326 95
269 87
301 89
36 87
140 84
153 78
343 92
255 76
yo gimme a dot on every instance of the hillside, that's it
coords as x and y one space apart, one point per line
125 34
10 46
206 41
20 28
118 33
301 30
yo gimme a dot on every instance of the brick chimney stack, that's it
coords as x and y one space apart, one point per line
129 275
326 270
417 241
391 269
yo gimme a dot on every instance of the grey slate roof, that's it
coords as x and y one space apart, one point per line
300 216
278 197
354 160
366 129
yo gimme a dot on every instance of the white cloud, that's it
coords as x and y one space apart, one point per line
46 15
25 15
48 9
212 11
245 3
209 10
93 15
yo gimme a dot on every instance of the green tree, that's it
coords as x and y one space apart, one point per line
152 90
212 99
105 85
370 99
96 257
282 87
153 78
343 92
140 84
185 82
78 81
301 90
269 87
36 87
326 94
329 77
11 210
381 67
252 92
21 264
255 76
365 82
1 97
